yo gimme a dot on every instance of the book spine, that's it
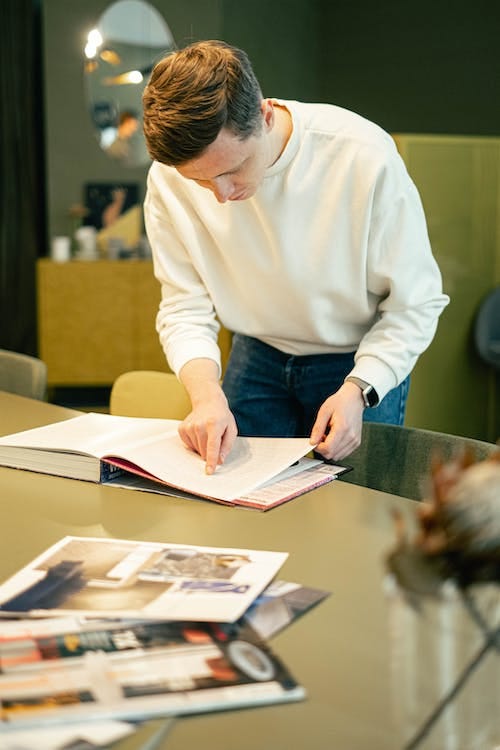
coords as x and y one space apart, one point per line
109 471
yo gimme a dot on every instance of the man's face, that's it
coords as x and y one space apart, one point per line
129 127
231 168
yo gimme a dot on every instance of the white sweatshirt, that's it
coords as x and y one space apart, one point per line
331 254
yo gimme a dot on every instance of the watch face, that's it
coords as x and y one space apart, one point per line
370 396
368 392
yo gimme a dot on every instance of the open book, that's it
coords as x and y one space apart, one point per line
148 454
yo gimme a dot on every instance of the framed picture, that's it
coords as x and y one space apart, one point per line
105 201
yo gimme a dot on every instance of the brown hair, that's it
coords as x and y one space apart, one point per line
194 93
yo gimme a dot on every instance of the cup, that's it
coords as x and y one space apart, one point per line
86 237
115 248
60 249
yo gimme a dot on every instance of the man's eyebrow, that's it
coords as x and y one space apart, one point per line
233 170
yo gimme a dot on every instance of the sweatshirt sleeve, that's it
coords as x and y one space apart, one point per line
403 273
186 320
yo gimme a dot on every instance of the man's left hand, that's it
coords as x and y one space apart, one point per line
337 430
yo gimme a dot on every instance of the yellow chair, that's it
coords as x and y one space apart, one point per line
23 375
149 393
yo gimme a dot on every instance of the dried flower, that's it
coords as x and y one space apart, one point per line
77 211
458 528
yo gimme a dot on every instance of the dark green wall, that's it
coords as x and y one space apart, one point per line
426 67
419 67
283 39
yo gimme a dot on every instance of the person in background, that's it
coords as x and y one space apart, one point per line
297 227
115 207
121 148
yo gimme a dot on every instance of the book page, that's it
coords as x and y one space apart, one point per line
251 463
305 475
92 434
154 446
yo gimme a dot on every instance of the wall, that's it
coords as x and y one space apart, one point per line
430 71
284 41
72 154
414 67
459 181
283 46
427 70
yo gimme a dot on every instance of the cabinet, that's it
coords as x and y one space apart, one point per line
96 319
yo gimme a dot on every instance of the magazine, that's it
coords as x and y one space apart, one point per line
107 448
137 671
101 577
76 736
280 604
178 668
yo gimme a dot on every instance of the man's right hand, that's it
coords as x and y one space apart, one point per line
210 429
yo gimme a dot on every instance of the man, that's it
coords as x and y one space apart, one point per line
297 227
121 148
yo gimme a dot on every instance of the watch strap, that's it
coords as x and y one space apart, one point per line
368 392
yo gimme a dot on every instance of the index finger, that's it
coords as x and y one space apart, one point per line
320 428
214 440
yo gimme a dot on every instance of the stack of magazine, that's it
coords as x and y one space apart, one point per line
108 630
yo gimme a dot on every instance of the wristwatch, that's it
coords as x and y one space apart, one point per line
370 395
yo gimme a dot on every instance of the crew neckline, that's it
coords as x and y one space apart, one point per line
291 146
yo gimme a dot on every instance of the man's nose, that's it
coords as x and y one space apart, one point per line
222 188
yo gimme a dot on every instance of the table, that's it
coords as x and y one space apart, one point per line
342 651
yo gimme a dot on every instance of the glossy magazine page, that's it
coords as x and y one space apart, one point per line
137 671
100 577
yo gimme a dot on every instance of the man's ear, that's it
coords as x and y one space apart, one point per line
267 109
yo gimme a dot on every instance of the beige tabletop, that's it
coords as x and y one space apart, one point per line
342 651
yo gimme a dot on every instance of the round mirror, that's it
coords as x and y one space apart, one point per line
120 53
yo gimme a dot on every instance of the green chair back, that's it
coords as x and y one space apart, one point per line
23 375
398 459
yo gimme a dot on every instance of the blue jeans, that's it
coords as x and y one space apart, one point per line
273 394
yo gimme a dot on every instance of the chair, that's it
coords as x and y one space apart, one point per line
487 344
398 459
148 393
23 374
487 329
